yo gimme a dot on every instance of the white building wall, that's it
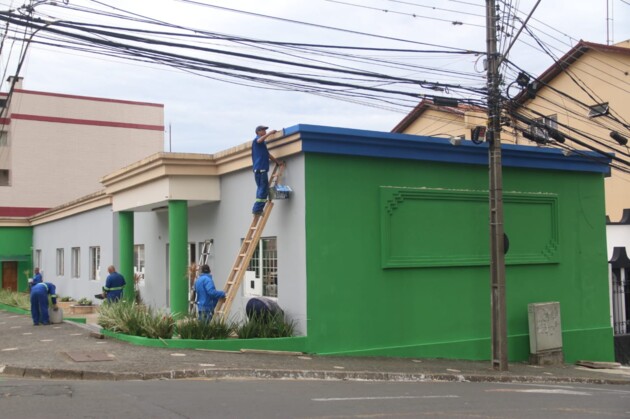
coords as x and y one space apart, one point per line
91 228
151 230
618 235
226 222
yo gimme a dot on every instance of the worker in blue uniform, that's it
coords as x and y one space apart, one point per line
39 302
260 161
114 285
36 279
207 294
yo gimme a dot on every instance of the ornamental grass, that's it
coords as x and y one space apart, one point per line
15 299
136 320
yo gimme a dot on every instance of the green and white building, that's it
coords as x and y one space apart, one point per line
382 248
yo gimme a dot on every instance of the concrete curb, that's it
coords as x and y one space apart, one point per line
222 373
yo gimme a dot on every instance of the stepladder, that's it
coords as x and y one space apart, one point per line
194 272
247 249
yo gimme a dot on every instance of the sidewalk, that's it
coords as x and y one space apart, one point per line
67 351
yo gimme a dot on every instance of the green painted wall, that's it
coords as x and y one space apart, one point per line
397 258
16 244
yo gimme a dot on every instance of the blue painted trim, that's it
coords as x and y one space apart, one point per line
354 142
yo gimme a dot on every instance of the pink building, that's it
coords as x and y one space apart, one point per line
55 148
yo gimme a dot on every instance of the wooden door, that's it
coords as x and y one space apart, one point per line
9 276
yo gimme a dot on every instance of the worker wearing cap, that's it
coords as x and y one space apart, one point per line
260 160
39 302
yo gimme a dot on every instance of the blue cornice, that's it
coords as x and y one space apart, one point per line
354 142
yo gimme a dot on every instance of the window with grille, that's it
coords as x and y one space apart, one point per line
138 262
60 263
265 264
95 263
75 261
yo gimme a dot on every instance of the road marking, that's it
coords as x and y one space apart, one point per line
345 399
540 391
46 340
178 354
9 349
27 333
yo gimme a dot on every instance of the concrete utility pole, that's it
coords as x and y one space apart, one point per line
497 255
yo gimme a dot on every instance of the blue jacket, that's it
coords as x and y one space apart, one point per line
114 285
207 294
260 155
45 288
37 278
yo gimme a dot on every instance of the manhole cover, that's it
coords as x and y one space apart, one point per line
89 356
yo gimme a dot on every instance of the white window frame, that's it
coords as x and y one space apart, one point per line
95 263
264 264
139 262
75 262
38 259
60 262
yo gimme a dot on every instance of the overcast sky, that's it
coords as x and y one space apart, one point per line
209 115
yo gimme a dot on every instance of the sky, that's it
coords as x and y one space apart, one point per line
204 113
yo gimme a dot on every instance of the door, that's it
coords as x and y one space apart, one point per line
9 276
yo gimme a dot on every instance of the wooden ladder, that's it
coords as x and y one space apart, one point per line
245 253
203 260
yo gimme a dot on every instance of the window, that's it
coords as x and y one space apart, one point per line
600 109
540 125
60 262
4 178
4 139
38 259
95 263
76 262
265 264
138 262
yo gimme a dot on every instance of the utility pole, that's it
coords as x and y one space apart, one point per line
497 255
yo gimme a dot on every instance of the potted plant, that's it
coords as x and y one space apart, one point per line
83 306
65 302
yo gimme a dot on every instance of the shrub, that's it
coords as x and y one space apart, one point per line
192 328
266 325
136 320
66 299
84 302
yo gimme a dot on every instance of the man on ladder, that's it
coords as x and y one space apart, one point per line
260 160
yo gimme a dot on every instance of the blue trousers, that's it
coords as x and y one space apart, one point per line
113 296
39 307
262 190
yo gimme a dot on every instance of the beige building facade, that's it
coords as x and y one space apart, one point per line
586 95
51 140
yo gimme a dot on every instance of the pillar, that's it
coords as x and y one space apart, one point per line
125 248
178 255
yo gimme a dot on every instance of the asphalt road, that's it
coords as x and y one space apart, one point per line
203 398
